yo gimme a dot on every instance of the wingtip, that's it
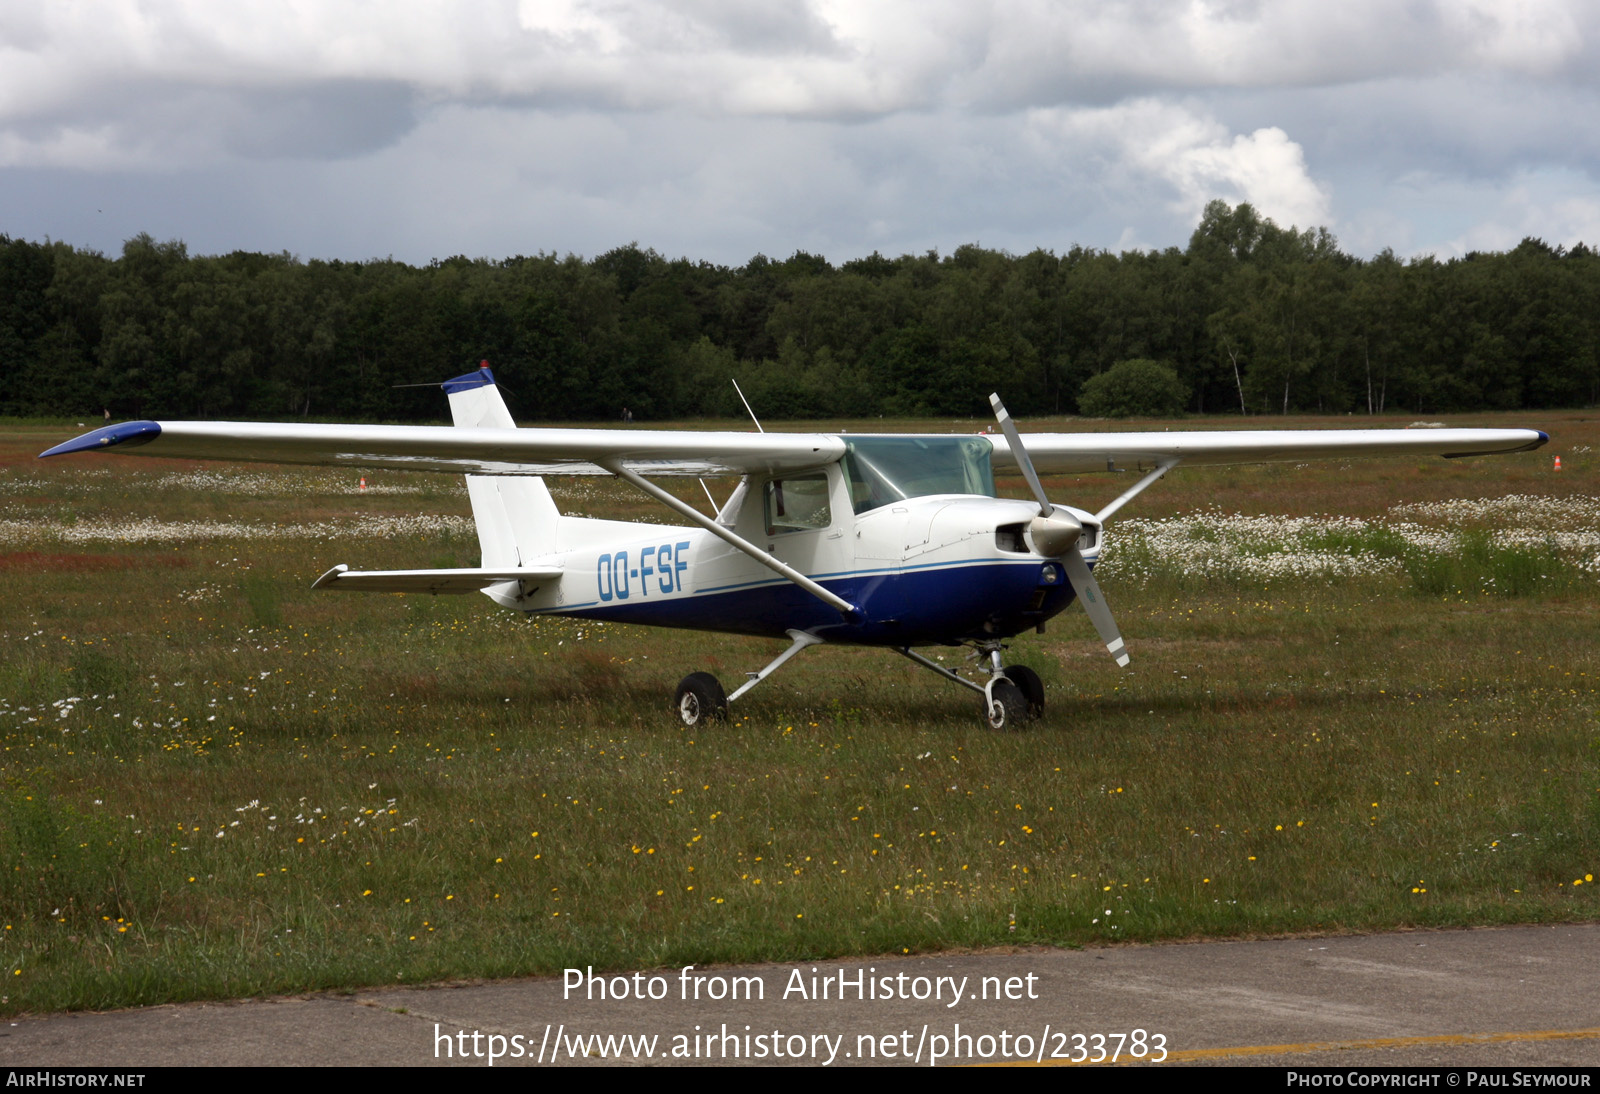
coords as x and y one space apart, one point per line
126 434
330 577
1543 439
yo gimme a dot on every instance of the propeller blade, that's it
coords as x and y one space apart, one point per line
1020 454
1054 534
1057 537
1088 590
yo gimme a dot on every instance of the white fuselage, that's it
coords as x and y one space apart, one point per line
941 568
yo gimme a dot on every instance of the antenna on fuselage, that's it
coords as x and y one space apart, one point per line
746 403
716 510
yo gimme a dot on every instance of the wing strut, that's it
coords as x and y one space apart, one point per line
1135 490
851 613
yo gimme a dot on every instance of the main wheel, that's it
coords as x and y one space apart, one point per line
1008 707
1032 688
700 699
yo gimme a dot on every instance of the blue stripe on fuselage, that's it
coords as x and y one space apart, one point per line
930 604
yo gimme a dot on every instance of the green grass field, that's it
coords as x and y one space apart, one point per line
1363 696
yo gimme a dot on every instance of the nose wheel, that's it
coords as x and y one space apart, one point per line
1007 706
1030 685
1013 695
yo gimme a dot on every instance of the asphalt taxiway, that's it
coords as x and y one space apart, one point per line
1521 996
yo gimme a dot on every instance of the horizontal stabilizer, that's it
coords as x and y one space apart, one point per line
432 581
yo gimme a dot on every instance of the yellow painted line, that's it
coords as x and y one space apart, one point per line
1237 1051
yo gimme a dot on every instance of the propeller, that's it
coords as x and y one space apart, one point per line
1055 534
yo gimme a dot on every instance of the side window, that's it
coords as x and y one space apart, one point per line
796 504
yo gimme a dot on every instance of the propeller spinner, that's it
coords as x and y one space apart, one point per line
1055 533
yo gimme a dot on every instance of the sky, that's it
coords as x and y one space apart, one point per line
720 129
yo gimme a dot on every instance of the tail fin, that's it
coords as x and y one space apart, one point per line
475 402
516 516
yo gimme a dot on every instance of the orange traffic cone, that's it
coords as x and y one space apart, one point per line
364 478
1558 463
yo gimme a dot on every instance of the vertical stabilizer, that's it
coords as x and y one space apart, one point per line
475 402
515 514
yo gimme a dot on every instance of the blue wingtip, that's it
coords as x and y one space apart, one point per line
468 381
128 434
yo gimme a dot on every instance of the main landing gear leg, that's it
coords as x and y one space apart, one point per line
1012 695
700 697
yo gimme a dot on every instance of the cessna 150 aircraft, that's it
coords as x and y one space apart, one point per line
855 539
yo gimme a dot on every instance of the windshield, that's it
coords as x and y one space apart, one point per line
881 470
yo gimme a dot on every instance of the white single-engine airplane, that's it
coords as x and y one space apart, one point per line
857 539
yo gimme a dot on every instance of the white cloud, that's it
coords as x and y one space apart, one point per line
1265 168
1192 155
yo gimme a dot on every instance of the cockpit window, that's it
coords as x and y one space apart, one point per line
797 504
882 470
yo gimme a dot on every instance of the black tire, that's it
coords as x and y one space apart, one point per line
1007 707
1032 688
700 699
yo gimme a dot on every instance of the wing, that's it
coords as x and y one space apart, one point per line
672 452
471 451
1065 453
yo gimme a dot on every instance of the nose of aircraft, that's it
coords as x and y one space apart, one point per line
1056 534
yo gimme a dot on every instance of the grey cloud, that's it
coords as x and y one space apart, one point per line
785 28
1029 53
1096 54
158 124
486 182
715 128
495 182
1448 125
786 58
331 119
23 27
727 188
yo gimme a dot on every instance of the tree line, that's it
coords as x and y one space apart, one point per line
1253 318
